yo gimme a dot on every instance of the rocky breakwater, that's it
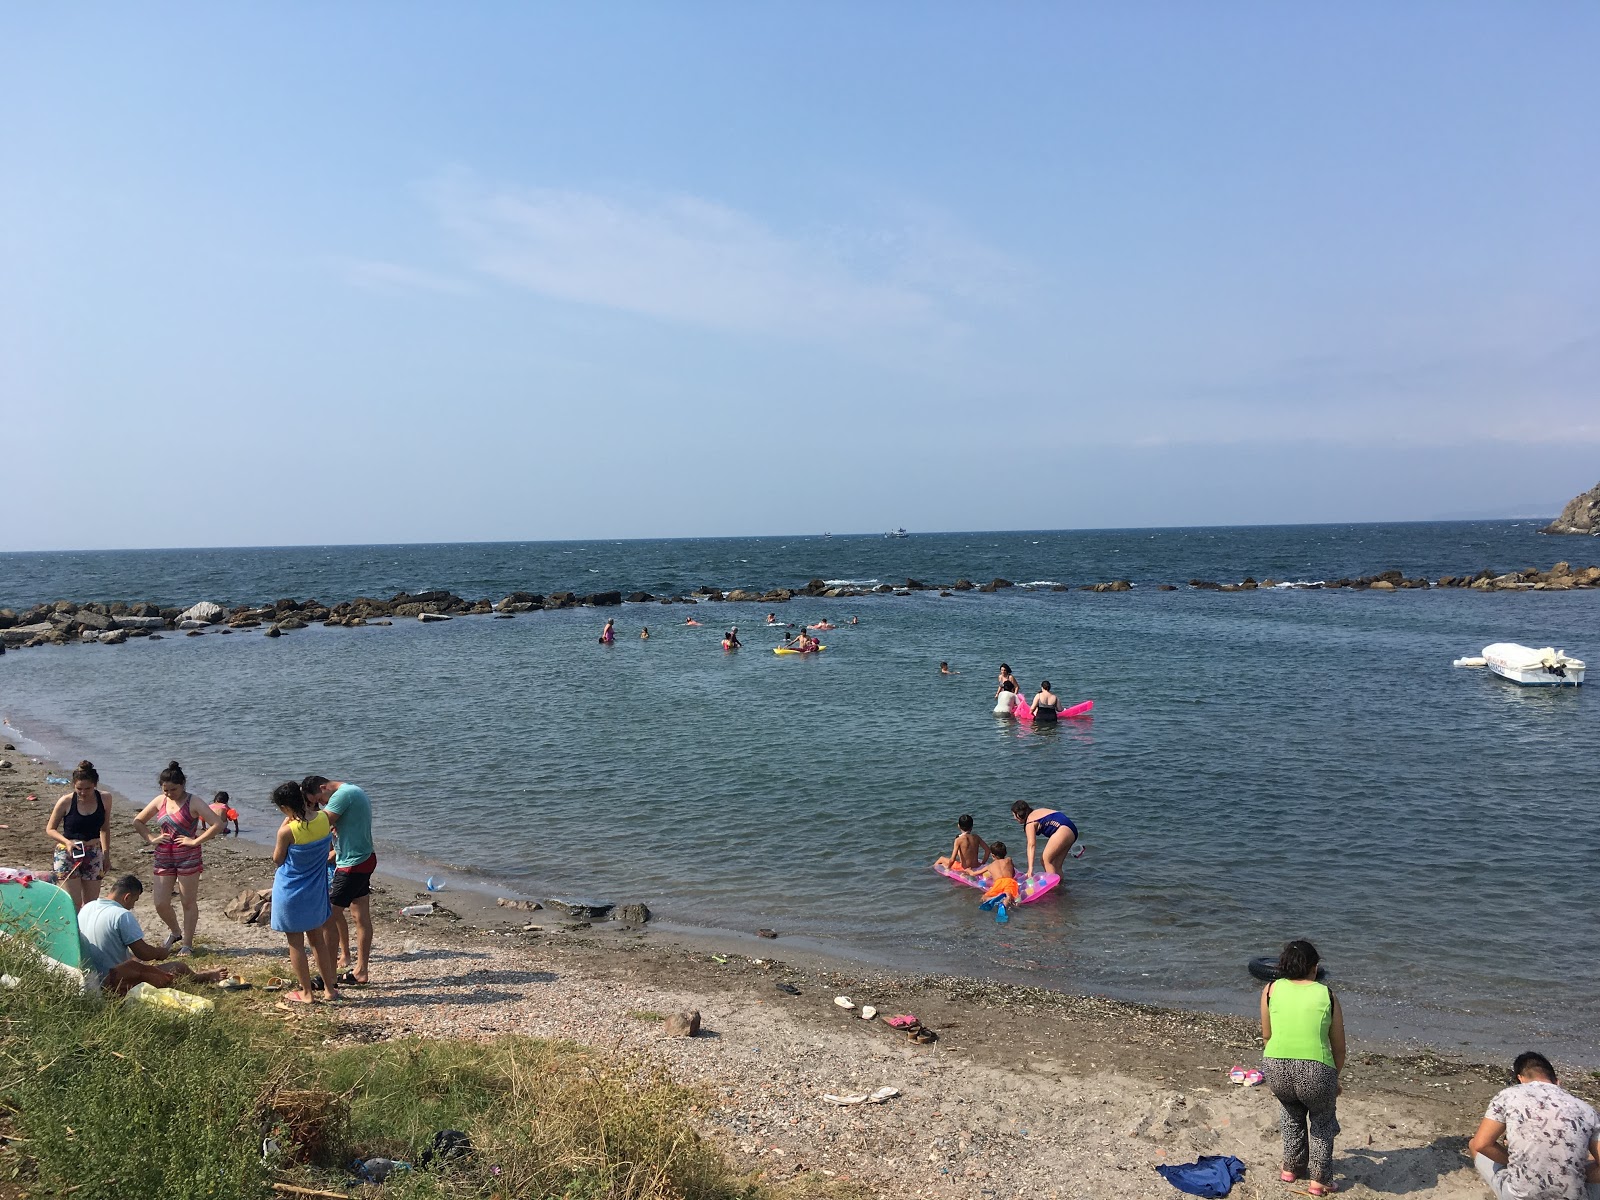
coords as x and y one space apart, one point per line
1559 578
1581 515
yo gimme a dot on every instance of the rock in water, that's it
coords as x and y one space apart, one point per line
204 611
1581 515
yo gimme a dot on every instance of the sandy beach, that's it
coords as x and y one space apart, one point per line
1026 1091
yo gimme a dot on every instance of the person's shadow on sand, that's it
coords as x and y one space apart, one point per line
1412 1169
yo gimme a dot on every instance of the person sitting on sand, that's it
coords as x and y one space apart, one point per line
1055 827
113 945
300 907
219 805
1552 1138
80 825
609 633
969 851
1045 704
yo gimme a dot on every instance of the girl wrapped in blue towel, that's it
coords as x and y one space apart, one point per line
300 908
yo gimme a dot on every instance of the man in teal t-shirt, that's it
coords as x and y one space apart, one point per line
350 813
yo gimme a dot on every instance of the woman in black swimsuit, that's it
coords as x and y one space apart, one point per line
80 825
1045 704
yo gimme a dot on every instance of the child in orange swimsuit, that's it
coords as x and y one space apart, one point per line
1001 872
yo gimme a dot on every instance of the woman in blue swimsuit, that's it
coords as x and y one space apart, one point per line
1055 827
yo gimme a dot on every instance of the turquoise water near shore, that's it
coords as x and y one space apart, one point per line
1260 765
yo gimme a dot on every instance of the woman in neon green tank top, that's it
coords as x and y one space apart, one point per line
1304 1031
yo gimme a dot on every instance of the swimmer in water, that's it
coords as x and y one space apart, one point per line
944 669
690 621
644 634
854 621
772 618
1046 705
730 640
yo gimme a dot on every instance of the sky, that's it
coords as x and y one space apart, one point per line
315 274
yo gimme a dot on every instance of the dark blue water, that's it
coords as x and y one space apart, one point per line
1260 765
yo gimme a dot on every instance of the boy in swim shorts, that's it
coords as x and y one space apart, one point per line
1001 873
969 851
229 814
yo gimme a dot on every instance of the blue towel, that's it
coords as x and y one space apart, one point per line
1213 1175
300 888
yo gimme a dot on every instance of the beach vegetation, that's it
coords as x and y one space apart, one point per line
105 1100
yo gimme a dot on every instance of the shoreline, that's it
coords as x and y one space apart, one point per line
61 622
1025 1087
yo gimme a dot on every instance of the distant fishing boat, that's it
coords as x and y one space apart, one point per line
897 533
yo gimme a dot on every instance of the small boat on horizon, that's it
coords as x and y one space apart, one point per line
897 533
1533 668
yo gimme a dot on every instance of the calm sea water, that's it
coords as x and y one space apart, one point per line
1260 765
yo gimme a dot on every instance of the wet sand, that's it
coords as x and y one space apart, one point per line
1025 1090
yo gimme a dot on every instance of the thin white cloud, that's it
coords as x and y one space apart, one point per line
389 276
688 259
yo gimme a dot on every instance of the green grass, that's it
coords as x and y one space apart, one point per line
115 1100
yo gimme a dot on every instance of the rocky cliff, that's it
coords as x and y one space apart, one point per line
1581 515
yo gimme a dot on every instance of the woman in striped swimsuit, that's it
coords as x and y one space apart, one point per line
183 823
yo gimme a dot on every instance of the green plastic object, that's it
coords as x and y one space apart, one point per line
42 913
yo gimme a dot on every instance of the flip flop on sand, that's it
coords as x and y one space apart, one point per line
903 1021
349 979
844 1002
922 1035
299 997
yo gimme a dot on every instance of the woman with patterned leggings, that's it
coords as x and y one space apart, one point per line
1304 1031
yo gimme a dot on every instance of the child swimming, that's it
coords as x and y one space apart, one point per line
229 814
969 851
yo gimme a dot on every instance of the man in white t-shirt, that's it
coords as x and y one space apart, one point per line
113 943
1552 1139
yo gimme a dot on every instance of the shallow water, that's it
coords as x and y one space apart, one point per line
1260 765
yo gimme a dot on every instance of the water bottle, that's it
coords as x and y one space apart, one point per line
417 910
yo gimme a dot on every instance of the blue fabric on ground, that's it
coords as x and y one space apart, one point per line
1213 1175
300 888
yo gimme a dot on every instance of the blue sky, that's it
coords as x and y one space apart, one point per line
308 274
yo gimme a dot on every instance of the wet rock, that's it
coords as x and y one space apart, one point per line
594 910
426 617
767 933
7 618
274 632
291 623
93 620
144 610
777 596
195 633
631 914
815 587
962 585
205 612
112 637
560 600
1380 585
1167 587
740 596
684 1024
639 597
133 622
610 599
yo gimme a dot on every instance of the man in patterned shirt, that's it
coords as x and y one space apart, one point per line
1552 1139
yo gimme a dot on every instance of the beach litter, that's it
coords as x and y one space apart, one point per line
1211 1175
376 1170
417 910
877 1097
171 999
57 779
1248 1077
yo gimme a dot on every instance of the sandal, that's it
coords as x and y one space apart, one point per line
1289 1176
1322 1189
348 979
299 997
922 1035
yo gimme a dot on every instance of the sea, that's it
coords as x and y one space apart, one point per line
1259 765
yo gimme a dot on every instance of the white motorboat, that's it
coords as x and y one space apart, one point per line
1525 665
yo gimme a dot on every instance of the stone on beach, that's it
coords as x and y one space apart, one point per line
682 1025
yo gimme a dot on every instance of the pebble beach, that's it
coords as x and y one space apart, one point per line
1026 1091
